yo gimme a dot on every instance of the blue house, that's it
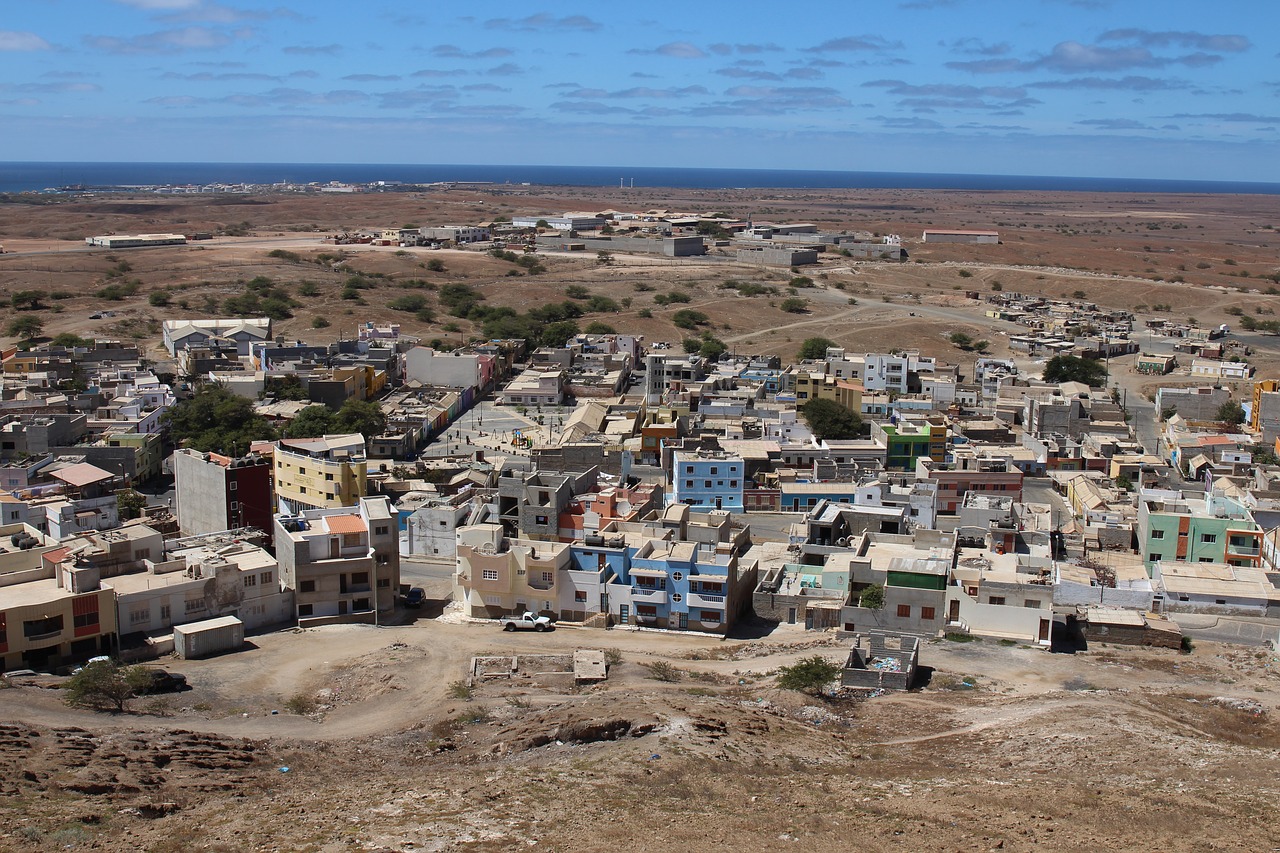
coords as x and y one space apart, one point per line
708 480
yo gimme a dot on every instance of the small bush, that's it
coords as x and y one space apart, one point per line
319 323
612 657
663 671
460 690
300 704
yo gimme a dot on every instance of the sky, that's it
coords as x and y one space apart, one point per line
1105 88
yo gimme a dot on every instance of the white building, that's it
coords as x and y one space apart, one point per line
179 334
444 370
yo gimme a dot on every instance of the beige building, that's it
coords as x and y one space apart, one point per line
342 564
319 473
49 615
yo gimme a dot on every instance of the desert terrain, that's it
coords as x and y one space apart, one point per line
1160 256
1005 748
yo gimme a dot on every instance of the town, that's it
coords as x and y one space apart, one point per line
604 480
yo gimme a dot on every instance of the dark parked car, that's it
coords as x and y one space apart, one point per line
163 681
415 597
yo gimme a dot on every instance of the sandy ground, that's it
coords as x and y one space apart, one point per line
1008 747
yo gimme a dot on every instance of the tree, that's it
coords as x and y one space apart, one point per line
70 340
809 675
711 348
604 258
557 334
1231 412
105 685
542 223
1070 368
598 328
435 265
795 305
26 328
130 504
311 422
829 419
360 416
159 298
25 300
815 348
872 597
687 318
217 420
982 346
961 340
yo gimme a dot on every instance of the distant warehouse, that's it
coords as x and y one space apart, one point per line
130 241
946 236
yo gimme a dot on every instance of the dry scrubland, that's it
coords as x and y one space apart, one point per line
1008 748
1111 249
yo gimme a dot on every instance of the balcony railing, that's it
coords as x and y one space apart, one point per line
646 594
698 599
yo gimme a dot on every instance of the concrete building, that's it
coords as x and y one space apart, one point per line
431 522
970 471
49 615
425 366
181 334
222 577
1214 529
343 565
563 222
535 388
777 256
317 473
707 480
216 492
133 241
913 572
455 233
1215 588
940 235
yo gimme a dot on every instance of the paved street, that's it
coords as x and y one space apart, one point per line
1245 630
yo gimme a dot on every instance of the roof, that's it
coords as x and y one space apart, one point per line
345 524
82 474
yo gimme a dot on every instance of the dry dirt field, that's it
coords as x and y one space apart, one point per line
1008 748
1173 256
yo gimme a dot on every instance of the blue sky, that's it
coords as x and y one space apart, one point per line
1113 88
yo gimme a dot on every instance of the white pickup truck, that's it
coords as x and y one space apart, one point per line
527 622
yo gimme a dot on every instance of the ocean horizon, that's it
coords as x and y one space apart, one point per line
40 176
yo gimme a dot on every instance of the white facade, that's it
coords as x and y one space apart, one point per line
446 370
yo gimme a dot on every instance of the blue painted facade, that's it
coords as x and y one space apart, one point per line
708 482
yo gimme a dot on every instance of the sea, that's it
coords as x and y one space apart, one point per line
36 177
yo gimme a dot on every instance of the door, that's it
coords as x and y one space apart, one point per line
808 620
953 613
719 503
791 616
1044 629
333 547
342 608
624 614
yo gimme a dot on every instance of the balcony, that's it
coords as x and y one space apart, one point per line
705 599
649 595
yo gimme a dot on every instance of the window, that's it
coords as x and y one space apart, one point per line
232 486
688 484
714 470
1205 560
41 627
304 610
1033 603
307 586
579 595
328 476
383 583
383 530
712 616
164 613
139 616
539 519
548 577
1157 534
1208 538
904 611
688 469
489 575
194 605
265 578
250 580
706 484
360 579
360 604
1155 558
733 484
927 613
995 599
233 506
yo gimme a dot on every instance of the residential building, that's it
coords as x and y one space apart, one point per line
51 614
318 473
535 388
181 334
912 570
342 564
1213 529
455 233
908 442
971 470
216 492
707 480
1215 588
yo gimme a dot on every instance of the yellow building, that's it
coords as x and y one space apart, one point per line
319 473
1266 386
821 386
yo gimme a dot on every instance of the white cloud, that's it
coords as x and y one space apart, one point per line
13 40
